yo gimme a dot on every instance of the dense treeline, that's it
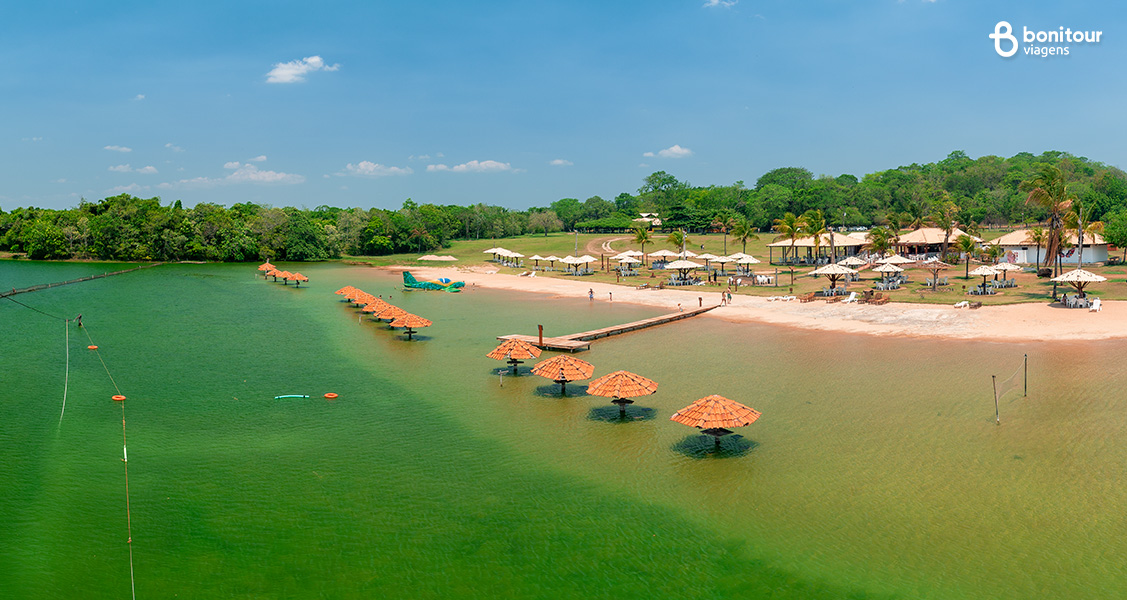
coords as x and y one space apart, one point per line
983 191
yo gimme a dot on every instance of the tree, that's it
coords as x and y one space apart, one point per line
642 236
1115 229
724 222
678 239
880 240
944 215
545 220
966 245
1039 237
743 231
788 177
1049 191
815 226
789 227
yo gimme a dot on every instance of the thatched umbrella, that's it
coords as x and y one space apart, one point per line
515 351
1079 279
564 368
621 386
389 312
298 277
714 415
265 267
935 266
285 275
411 322
887 268
1001 268
833 271
375 306
345 290
683 267
852 261
985 271
536 258
895 259
551 258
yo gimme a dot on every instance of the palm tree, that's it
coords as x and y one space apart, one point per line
678 239
994 252
1049 190
880 240
816 227
1039 236
724 222
744 231
966 245
943 215
1072 223
642 236
790 227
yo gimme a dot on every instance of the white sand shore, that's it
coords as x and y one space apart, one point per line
1017 322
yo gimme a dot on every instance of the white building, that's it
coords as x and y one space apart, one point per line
1022 251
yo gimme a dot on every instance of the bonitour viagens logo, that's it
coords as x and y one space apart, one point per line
1043 44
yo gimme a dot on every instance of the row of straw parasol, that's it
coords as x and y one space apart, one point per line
380 309
714 415
270 270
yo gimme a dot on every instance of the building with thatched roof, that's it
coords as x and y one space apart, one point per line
843 245
928 240
1020 249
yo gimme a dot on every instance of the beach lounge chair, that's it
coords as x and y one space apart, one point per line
1095 306
974 305
879 299
852 299
808 297
962 304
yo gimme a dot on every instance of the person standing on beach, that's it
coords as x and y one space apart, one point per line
591 294
611 296
723 299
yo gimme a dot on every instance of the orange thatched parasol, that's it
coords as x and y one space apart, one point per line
410 321
564 368
714 415
376 305
285 275
298 277
621 386
345 290
266 267
514 351
389 312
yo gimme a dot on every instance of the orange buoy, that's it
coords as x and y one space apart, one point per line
330 395
91 347
118 398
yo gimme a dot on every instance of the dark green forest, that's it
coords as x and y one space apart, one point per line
985 191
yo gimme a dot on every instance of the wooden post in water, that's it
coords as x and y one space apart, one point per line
541 328
997 417
1025 378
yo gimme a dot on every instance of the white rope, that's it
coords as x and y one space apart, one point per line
66 375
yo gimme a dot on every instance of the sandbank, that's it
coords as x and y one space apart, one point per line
1014 322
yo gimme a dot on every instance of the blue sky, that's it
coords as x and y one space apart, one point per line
519 104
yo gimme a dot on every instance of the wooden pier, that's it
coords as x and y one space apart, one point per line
581 341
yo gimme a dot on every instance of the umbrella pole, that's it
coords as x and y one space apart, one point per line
717 439
563 387
997 417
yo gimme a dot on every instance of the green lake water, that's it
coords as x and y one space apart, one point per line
876 470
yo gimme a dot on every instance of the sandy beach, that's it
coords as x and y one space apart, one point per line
1016 322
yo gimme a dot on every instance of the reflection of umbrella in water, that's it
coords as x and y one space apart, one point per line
621 386
1079 279
410 322
714 415
564 368
514 351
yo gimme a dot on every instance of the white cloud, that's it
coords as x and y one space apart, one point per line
61 180
485 166
419 157
674 151
559 162
139 97
114 148
370 169
149 170
241 173
259 158
173 147
295 70
32 139
132 188
723 3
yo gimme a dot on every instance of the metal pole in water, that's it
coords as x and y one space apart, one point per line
1025 378
997 418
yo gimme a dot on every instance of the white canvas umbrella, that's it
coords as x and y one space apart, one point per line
895 259
985 271
1079 279
834 272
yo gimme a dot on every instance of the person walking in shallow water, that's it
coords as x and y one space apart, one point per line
591 294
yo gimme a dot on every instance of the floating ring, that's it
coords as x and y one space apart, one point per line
118 398
330 395
91 347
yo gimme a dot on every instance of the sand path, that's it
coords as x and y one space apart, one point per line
1017 322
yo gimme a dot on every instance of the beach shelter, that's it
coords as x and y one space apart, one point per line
852 262
564 368
375 306
298 278
551 258
723 260
833 272
389 312
895 259
494 251
265 267
663 253
682 267
985 271
1077 278
716 415
935 266
285 275
686 254
514 351
410 322
344 290
707 257
621 386
537 258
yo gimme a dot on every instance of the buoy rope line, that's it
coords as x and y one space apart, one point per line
124 460
124 446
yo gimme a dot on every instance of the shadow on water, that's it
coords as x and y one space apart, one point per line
414 337
508 372
611 414
552 390
704 446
